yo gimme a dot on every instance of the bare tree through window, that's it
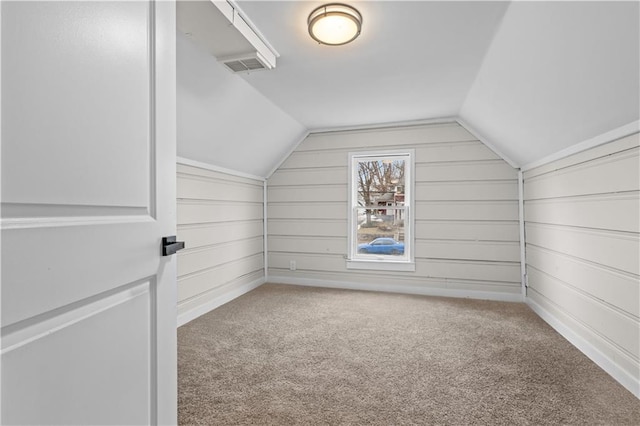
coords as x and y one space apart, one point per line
376 180
380 190
380 203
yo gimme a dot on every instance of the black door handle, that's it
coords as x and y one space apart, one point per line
171 246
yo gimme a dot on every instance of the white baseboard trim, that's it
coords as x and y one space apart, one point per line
631 383
226 297
401 288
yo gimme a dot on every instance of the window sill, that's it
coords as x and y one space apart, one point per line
384 265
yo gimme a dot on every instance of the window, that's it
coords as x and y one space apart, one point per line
380 210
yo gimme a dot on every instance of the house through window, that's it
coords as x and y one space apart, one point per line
380 210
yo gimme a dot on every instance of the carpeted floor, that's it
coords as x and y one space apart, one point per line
284 355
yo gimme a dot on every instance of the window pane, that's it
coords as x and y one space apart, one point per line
380 182
380 231
380 200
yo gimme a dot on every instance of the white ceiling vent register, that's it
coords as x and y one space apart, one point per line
222 29
246 63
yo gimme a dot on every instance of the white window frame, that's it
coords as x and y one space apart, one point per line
383 263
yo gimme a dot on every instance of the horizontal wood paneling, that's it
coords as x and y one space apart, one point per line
199 188
302 244
305 160
433 153
196 303
468 191
425 210
470 270
311 176
307 262
308 228
441 172
593 154
612 211
433 268
220 219
582 227
621 329
453 230
621 171
215 176
465 171
191 212
443 249
425 172
466 212
201 235
624 362
439 268
197 283
611 286
494 251
380 138
611 249
306 210
308 193
194 260
454 151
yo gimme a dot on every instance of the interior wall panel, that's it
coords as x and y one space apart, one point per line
583 251
451 171
466 228
582 179
618 212
311 176
209 234
220 219
476 230
611 249
613 287
200 282
301 228
379 138
603 319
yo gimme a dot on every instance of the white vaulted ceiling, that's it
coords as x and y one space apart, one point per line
557 73
413 60
531 78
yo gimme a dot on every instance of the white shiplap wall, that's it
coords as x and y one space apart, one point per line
582 224
467 235
220 219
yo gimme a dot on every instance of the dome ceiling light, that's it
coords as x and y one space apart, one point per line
334 24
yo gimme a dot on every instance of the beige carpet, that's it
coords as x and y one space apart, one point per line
283 355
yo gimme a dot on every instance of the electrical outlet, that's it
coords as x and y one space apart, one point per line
292 265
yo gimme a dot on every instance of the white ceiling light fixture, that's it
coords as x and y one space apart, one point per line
334 24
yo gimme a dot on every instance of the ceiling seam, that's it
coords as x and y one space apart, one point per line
486 143
484 58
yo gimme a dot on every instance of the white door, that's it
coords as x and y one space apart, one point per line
88 190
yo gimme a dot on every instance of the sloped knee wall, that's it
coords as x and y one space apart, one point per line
582 224
220 219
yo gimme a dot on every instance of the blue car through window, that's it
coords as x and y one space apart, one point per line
382 246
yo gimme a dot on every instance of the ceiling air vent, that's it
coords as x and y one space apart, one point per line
225 32
246 63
